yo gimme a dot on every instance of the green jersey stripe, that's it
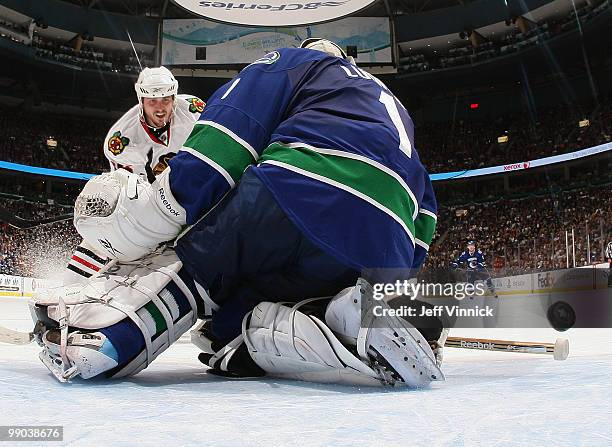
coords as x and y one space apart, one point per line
417 241
425 227
407 226
429 213
210 162
357 175
367 160
223 149
232 135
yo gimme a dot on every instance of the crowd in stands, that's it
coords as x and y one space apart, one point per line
90 57
529 232
79 140
41 252
80 54
474 144
512 41
442 147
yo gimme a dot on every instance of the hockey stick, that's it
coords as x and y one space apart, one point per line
24 224
23 338
15 337
559 350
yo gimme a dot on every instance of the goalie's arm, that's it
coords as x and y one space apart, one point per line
233 130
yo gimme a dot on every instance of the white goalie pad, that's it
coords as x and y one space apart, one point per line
286 343
149 292
102 300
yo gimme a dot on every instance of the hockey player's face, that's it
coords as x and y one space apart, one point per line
158 111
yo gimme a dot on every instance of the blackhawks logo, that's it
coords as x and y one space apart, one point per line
163 163
117 143
196 105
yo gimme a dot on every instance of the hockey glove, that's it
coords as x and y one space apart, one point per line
124 217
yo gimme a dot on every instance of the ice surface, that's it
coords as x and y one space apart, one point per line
489 399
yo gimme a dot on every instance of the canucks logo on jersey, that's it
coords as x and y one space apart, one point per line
268 59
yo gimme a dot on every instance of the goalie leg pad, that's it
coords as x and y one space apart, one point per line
140 307
289 344
89 353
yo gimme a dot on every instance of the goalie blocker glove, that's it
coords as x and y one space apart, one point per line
123 217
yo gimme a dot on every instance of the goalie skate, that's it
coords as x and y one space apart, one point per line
390 345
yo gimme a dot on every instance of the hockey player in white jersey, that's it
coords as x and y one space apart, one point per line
152 131
244 259
142 141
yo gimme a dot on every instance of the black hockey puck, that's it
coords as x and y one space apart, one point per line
561 316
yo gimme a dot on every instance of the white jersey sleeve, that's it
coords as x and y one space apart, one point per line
121 142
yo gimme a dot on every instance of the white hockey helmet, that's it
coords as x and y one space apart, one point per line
326 46
155 82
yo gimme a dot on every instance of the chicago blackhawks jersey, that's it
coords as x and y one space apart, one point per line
130 140
127 145
331 143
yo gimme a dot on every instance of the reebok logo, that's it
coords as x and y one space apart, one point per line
166 203
476 345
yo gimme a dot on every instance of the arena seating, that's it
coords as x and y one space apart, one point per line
39 252
443 147
88 56
505 43
528 232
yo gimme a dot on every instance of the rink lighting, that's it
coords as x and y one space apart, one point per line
502 139
584 123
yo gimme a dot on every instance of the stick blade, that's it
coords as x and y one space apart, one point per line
15 337
561 351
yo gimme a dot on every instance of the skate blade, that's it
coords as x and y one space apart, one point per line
395 351
55 369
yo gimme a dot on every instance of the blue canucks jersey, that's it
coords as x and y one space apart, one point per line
331 143
474 261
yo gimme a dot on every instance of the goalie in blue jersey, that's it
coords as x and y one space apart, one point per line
299 178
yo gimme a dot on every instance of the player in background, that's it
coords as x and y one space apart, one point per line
300 176
142 141
476 267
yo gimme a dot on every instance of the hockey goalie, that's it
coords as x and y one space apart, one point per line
300 187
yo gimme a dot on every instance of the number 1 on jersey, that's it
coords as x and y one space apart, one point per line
389 103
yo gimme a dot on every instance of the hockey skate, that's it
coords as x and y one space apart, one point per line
87 353
390 345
